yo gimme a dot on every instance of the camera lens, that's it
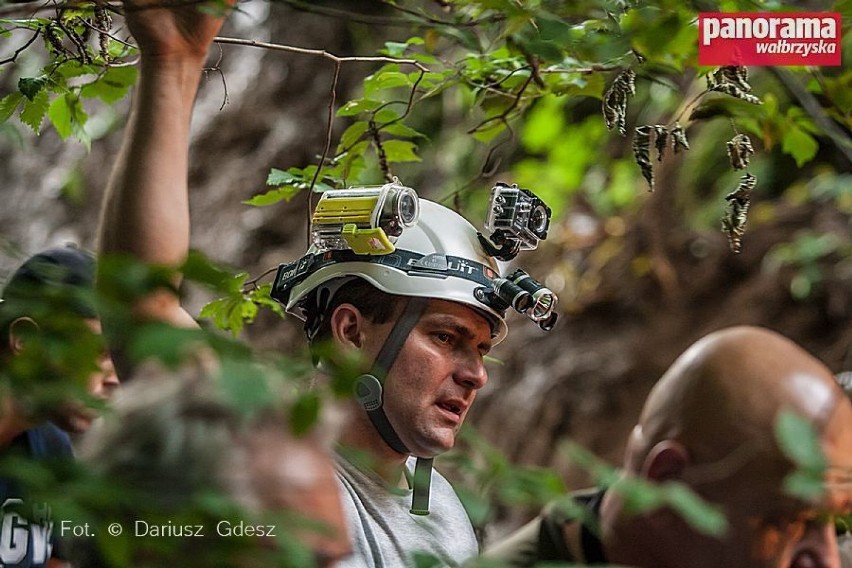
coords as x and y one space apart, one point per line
408 207
539 220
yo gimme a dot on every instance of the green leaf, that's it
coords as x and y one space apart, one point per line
358 106
9 104
352 163
543 125
280 177
477 507
553 28
490 131
113 86
34 110
304 413
245 385
706 518
68 117
352 135
386 115
638 496
400 129
805 485
261 297
60 116
72 68
801 145
230 313
799 441
385 80
201 270
30 87
426 560
277 195
166 343
400 151
394 48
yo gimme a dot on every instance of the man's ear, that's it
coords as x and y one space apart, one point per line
665 462
347 326
19 330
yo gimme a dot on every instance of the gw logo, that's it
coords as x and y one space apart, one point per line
20 536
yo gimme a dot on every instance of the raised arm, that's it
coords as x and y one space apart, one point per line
146 209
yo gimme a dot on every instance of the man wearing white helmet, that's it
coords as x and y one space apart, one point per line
421 301
407 285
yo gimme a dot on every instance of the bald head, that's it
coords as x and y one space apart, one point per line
710 423
721 399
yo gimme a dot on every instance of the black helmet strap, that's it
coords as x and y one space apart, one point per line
369 393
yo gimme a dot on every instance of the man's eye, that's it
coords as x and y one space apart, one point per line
443 337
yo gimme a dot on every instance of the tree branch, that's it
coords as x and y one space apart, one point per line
21 49
320 52
503 115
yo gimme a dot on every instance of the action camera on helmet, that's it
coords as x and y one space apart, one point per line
517 220
366 220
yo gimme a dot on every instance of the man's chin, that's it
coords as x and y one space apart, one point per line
436 445
73 422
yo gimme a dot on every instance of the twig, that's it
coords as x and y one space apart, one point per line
95 28
439 22
21 49
218 68
321 53
584 70
253 282
75 39
532 61
325 151
483 173
502 116
409 104
346 15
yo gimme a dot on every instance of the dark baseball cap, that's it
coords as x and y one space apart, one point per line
57 277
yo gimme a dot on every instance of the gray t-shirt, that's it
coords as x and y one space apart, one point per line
844 543
385 534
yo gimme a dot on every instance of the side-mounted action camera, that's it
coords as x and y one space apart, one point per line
517 220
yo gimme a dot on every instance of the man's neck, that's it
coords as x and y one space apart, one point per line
625 538
360 435
11 422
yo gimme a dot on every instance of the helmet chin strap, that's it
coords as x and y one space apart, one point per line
368 391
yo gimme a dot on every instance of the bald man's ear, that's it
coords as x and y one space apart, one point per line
347 326
665 462
19 330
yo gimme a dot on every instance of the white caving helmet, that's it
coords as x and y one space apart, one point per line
448 248
408 246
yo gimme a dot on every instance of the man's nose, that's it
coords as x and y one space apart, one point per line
470 371
817 548
109 382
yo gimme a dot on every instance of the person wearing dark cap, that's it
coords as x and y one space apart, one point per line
52 365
